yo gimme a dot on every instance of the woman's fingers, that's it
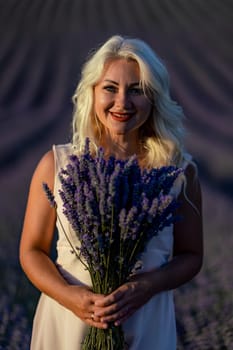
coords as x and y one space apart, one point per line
124 301
112 298
119 317
97 322
117 306
92 320
112 303
81 301
128 312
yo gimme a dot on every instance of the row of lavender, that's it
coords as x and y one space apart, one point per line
14 310
205 306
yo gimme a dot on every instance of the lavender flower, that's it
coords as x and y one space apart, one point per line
49 195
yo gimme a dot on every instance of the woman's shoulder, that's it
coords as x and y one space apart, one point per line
50 163
44 171
46 162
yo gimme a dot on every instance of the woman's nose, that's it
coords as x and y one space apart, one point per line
123 100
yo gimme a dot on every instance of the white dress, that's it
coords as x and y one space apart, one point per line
152 327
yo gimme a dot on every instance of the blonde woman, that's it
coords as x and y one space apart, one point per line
123 104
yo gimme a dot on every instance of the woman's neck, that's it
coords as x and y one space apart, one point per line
122 148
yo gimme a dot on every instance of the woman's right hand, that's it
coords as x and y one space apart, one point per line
81 301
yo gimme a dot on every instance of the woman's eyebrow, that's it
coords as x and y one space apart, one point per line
114 82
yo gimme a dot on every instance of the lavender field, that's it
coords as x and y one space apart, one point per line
42 47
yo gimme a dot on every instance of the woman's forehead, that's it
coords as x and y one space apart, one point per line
121 66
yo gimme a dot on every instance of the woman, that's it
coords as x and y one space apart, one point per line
122 103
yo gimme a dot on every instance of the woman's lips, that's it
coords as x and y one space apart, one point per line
121 117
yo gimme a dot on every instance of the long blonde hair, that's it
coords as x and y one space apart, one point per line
162 134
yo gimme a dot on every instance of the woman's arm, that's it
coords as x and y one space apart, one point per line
186 262
35 245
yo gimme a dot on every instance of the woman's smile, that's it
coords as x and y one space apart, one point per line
121 116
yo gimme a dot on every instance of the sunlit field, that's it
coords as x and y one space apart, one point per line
42 48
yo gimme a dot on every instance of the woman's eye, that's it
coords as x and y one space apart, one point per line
136 91
110 88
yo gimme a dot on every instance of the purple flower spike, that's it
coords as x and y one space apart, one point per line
49 195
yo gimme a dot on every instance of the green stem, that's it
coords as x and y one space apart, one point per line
106 281
71 245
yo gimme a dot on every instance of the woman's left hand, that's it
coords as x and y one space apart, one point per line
118 306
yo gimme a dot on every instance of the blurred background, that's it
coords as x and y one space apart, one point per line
43 45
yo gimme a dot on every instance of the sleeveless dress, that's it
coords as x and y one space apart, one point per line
152 327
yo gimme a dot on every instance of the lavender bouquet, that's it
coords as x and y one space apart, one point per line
114 208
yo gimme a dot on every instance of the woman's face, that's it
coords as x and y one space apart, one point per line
119 101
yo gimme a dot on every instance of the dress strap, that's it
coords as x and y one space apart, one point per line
61 158
187 160
181 180
61 155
